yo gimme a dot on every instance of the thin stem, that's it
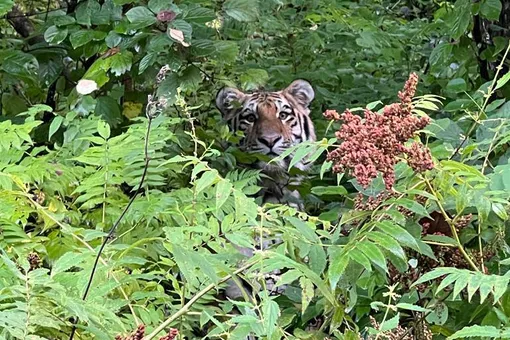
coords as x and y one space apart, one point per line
121 217
451 223
484 106
384 317
187 306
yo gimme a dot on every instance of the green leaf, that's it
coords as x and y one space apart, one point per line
337 263
457 85
55 125
223 190
408 306
307 293
253 79
241 10
271 313
390 324
398 233
317 259
434 274
82 37
357 256
502 81
476 331
5 6
491 9
373 253
388 243
305 229
121 62
148 60
103 129
440 54
141 17
199 15
65 262
55 35
206 181
329 190
459 19
86 11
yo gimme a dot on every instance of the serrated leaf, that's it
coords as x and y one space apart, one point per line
337 264
476 331
271 313
307 293
388 243
399 234
373 253
223 189
241 10
358 257
329 190
141 17
206 181
434 274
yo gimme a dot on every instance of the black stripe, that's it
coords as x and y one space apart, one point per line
306 127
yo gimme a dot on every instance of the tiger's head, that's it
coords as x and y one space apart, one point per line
272 122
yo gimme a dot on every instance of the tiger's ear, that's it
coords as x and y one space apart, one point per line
302 91
226 98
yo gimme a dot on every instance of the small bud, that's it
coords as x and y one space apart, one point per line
166 16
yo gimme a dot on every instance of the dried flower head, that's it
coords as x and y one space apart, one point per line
172 334
332 115
34 260
138 334
372 144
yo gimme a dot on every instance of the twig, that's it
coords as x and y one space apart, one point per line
26 15
187 306
486 101
116 224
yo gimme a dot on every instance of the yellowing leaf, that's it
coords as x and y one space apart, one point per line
131 110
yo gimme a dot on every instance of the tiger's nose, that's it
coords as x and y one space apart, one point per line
269 141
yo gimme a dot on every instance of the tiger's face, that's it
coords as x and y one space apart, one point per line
271 121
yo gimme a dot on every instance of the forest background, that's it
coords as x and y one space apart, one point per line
151 156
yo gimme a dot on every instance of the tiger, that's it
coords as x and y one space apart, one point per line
272 122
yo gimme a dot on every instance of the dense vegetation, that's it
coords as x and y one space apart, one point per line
108 120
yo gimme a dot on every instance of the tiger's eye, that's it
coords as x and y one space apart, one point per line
250 118
283 115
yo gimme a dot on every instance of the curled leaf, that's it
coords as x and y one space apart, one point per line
178 36
166 16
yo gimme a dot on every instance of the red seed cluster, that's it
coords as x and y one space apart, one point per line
372 144
446 256
172 335
138 334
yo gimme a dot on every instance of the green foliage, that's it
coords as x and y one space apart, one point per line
72 159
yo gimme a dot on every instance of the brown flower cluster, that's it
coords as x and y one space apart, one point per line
34 260
446 256
372 144
400 333
139 333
